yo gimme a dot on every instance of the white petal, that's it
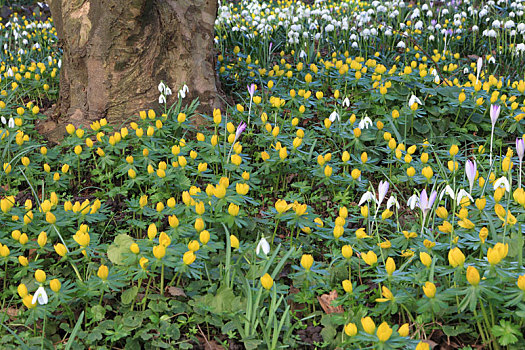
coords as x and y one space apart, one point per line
502 181
413 201
40 296
462 193
368 196
3 120
264 245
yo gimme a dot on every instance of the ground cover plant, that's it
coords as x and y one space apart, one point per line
363 189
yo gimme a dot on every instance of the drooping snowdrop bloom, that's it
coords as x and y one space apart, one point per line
334 116
413 99
183 91
264 246
40 296
413 201
502 182
346 102
366 197
478 69
365 123
520 149
392 201
447 191
461 194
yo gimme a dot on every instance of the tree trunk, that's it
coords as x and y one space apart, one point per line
115 53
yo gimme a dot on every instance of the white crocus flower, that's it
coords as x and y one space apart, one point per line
40 296
502 181
264 245
365 123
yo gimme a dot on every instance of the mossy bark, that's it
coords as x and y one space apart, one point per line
116 52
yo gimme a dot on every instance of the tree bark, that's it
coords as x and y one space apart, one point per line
115 53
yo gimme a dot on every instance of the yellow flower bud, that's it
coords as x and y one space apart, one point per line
267 281
384 332
351 329
55 285
473 275
40 276
368 325
103 272
429 289
307 261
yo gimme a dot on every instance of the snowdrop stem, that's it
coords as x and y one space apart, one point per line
43 329
275 230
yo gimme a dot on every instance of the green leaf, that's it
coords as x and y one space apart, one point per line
118 247
129 295
506 332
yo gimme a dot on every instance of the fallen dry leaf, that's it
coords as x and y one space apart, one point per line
326 300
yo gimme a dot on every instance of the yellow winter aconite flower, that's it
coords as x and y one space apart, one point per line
234 242
473 276
307 261
387 295
521 282
456 257
351 329
425 258
384 332
369 258
103 272
189 257
267 281
347 251
347 286
497 253
390 266
281 206
55 285
403 330
422 346
368 325
429 289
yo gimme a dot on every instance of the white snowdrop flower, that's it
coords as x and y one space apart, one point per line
401 45
413 201
264 246
162 99
329 28
475 28
59 64
366 197
447 191
333 116
11 123
302 54
444 12
365 123
40 296
502 182
317 36
4 121
161 87
391 202
509 24
355 45
346 101
492 60
496 24
413 99
461 194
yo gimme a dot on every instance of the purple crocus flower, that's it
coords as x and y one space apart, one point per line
240 128
494 114
251 89
470 171
382 189
520 148
426 203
